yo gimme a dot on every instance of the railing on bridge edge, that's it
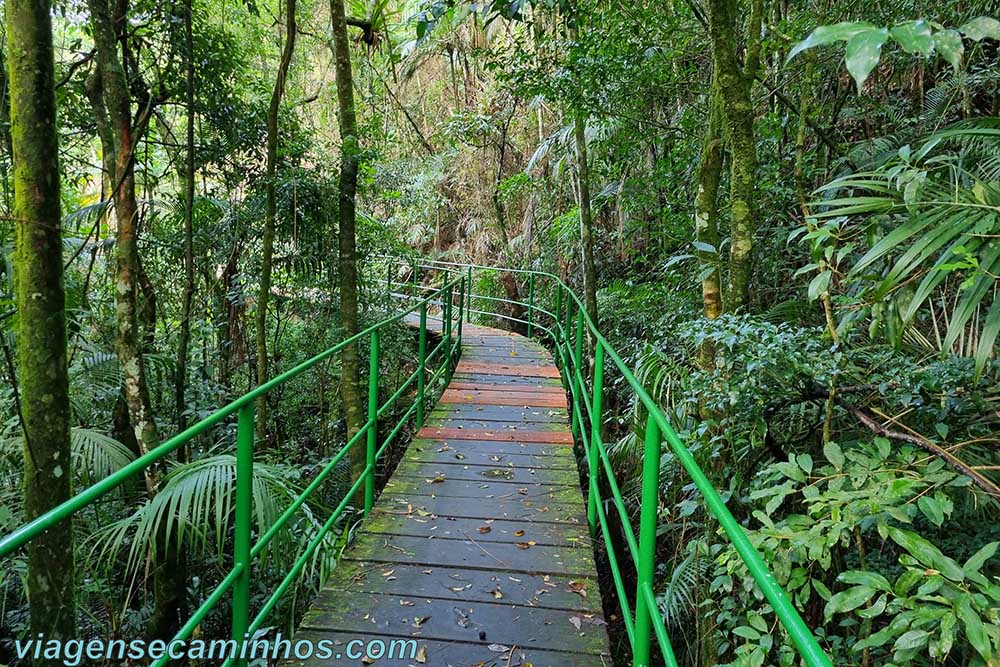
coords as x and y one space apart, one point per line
244 550
586 425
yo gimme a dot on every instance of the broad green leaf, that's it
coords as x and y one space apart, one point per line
877 639
819 284
927 553
863 52
914 36
974 630
805 462
848 600
834 454
978 559
828 34
860 577
949 44
931 509
791 470
747 632
980 28
911 639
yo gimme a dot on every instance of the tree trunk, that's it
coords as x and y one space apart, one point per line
168 577
706 220
41 322
350 389
734 82
586 220
270 211
184 337
5 139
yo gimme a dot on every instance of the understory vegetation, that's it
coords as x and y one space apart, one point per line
784 216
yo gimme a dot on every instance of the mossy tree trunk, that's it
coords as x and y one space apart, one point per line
271 206
706 218
734 80
350 388
41 323
168 576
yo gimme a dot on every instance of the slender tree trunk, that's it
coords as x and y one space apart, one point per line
270 211
5 138
706 221
734 82
168 577
586 219
350 389
184 337
41 322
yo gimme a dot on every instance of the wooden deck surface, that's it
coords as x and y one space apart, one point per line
478 546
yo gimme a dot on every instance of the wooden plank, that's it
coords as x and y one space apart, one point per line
444 487
503 435
540 590
501 398
518 509
496 472
508 369
506 413
484 532
457 454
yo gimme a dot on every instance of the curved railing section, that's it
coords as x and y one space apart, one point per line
566 324
236 583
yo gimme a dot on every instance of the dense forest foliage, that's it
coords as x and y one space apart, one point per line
784 215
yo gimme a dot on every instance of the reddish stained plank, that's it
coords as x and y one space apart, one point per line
522 389
508 369
523 399
498 435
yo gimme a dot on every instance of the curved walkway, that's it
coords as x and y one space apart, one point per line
478 547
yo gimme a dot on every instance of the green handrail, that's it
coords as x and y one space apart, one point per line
237 579
586 409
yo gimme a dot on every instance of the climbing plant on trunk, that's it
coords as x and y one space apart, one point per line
41 323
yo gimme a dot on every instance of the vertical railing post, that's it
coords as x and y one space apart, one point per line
593 491
577 379
649 508
422 364
372 426
531 302
415 279
243 523
468 307
461 312
558 311
446 330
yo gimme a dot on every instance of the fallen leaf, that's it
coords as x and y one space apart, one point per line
484 529
407 603
518 533
418 621
576 621
422 655
498 648
578 588
437 480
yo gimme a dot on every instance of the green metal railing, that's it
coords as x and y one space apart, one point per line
568 324
453 289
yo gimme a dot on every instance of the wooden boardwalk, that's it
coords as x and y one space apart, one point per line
478 547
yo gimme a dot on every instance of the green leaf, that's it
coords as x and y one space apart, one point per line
949 44
821 589
834 454
863 52
860 577
927 553
914 36
911 639
980 28
974 630
827 34
978 559
848 600
791 470
747 632
931 509
819 284
805 462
